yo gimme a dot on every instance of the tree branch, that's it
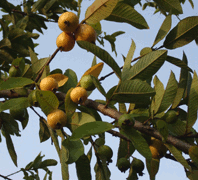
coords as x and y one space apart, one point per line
5 177
181 145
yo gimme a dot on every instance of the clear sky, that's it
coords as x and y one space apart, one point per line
28 145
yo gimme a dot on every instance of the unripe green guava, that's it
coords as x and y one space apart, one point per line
87 83
123 164
138 166
126 121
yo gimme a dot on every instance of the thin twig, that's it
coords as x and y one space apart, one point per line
5 177
104 77
13 173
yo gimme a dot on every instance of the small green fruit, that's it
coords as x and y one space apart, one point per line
126 121
87 83
14 71
123 164
33 99
138 166
170 116
105 151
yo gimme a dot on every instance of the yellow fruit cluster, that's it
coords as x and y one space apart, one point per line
68 22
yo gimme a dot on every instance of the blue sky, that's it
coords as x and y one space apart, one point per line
28 147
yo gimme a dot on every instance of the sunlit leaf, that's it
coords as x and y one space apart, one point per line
125 13
148 65
102 54
91 128
100 9
15 82
164 29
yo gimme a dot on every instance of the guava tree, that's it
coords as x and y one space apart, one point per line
146 117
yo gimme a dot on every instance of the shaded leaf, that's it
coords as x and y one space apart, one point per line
171 6
10 148
169 94
33 56
44 133
182 84
178 62
152 167
91 128
83 168
15 104
48 162
164 29
162 128
100 9
138 142
102 54
148 65
38 5
182 34
102 171
5 43
178 156
192 103
125 13
38 65
98 85
75 149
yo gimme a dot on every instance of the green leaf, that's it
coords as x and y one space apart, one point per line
183 33
178 156
126 149
193 153
83 168
164 29
22 23
127 62
78 119
74 148
157 99
49 4
171 6
72 80
33 56
98 85
191 3
122 108
102 54
178 128
38 5
192 103
47 101
138 142
44 133
148 65
48 162
125 13
70 106
10 148
177 62
99 10
162 128
64 155
5 43
169 94
91 128
182 83
193 174
15 103
152 167
15 82
133 91
6 56
38 65
102 171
